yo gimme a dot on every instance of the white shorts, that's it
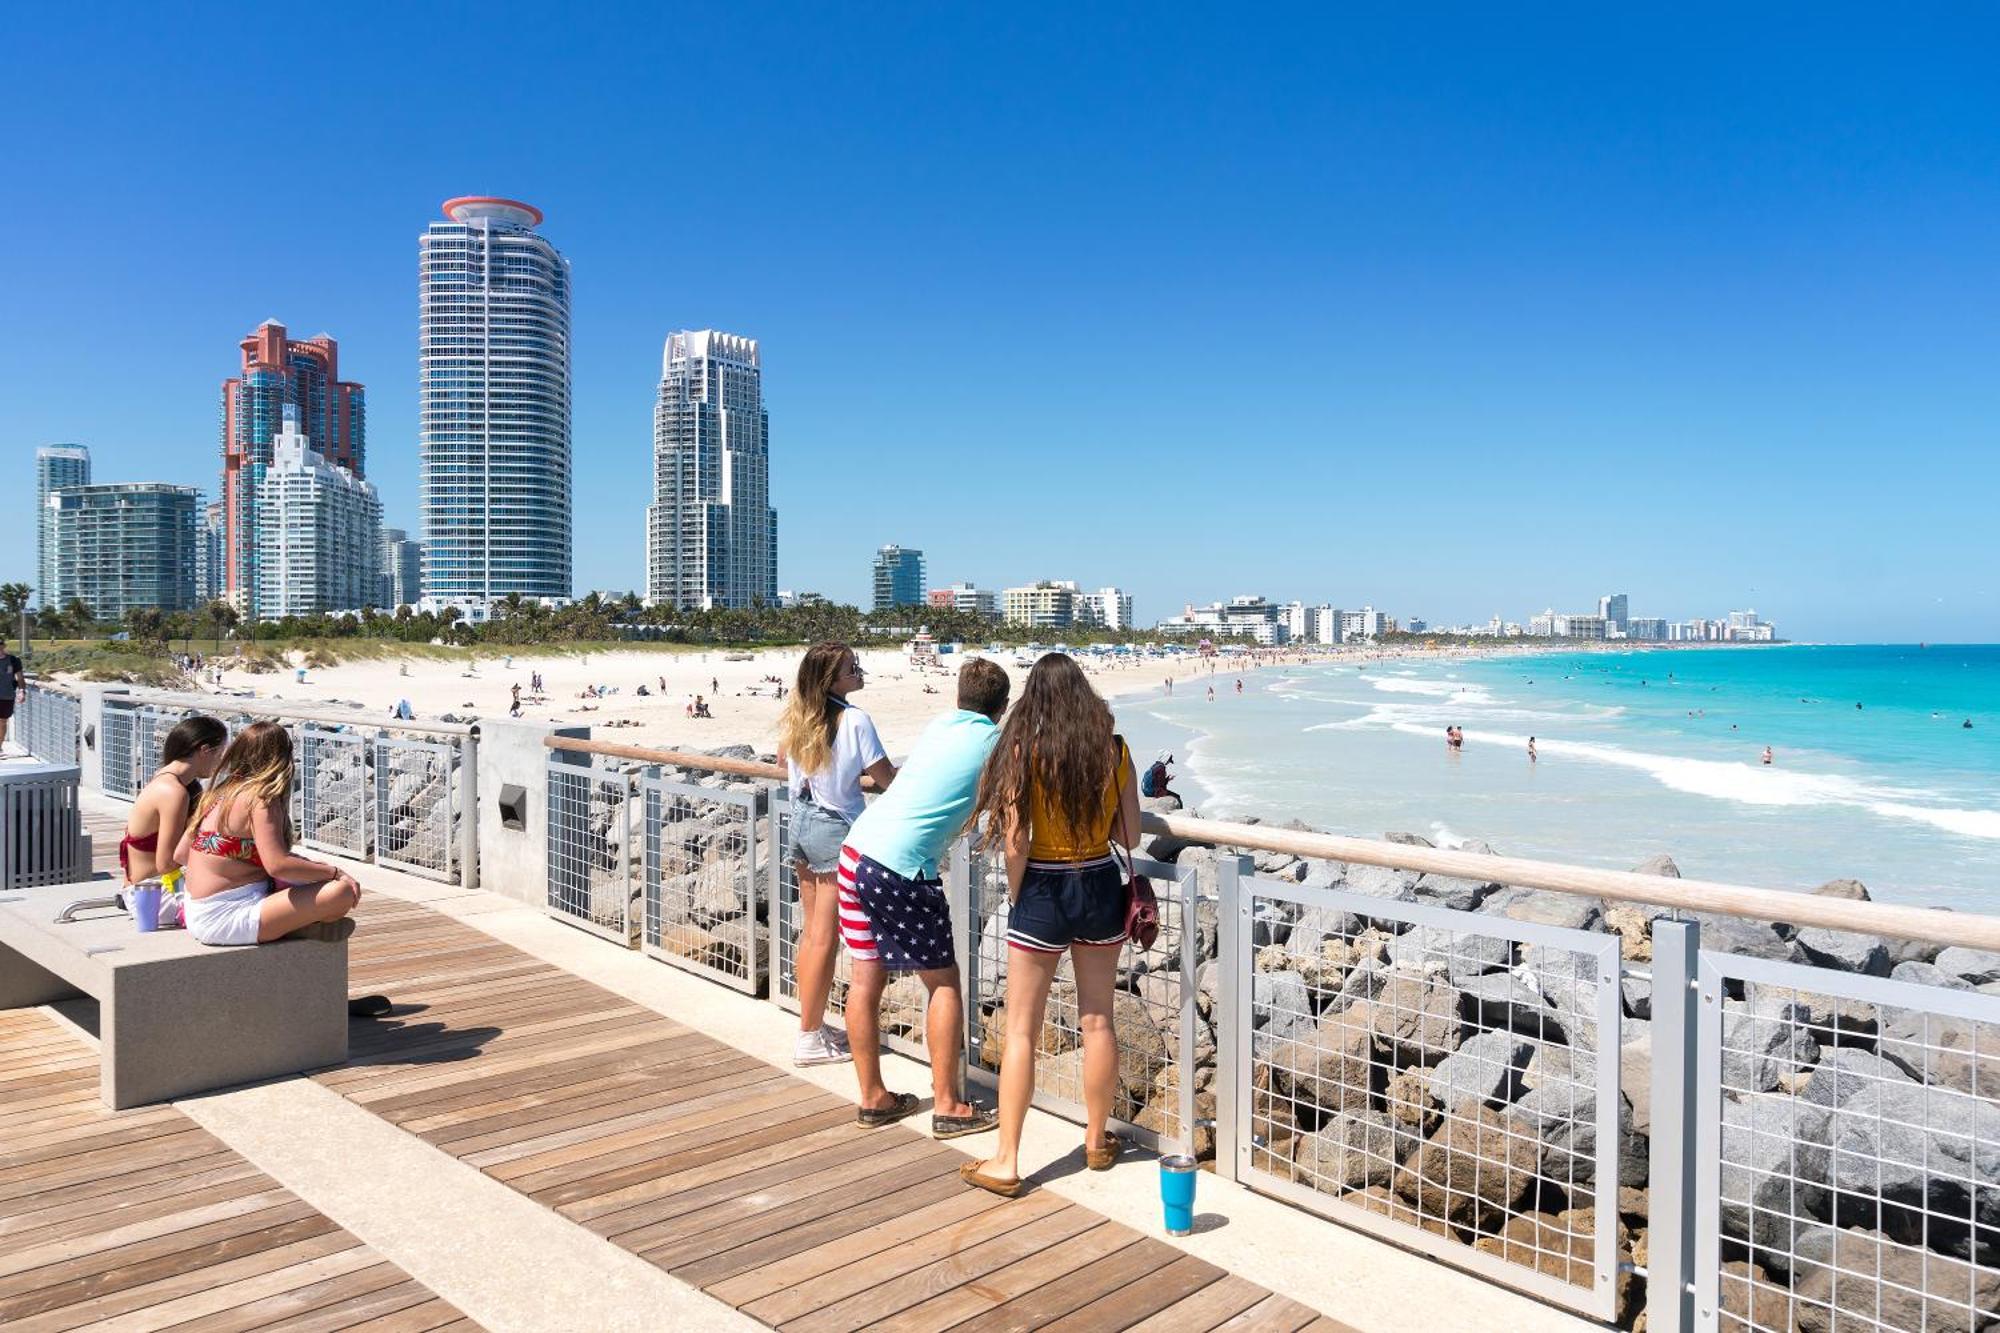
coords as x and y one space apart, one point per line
230 917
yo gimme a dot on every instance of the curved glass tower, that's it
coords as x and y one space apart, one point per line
495 402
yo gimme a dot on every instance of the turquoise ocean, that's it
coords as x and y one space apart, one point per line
1640 752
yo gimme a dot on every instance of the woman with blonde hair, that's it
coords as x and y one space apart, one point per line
238 850
827 746
1057 791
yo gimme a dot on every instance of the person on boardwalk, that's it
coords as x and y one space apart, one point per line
238 849
1058 790
160 813
11 680
893 913
826 746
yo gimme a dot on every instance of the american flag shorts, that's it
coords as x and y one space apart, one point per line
904 924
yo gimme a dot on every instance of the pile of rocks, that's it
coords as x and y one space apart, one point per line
412 821
1448 1080
710 907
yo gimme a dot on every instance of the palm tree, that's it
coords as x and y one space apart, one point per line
145 623
13 609
220 616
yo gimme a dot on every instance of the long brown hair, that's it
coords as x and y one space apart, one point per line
1058 736
257 765
812 714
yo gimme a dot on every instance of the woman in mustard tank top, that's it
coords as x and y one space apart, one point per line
1058 790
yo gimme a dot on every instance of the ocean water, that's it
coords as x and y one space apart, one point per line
1639 752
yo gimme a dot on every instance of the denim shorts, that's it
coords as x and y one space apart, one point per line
817 835
1061 904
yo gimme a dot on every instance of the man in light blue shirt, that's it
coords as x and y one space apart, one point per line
893 912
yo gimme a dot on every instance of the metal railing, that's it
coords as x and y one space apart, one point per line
49 722
593 861
1543 1073
41 827
705 903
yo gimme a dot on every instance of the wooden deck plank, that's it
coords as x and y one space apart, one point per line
1221 1300
164 1290
698 1136
1273 1314
1116 1310
881 1300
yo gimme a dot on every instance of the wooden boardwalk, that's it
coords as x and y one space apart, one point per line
134 1220
731 1174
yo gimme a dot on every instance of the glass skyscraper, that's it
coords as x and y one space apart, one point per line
56 466
125 546
279 375
494 390
899 577
711 534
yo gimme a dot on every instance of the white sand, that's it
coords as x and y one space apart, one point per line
894 694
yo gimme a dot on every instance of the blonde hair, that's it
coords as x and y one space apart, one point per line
812 714
257 765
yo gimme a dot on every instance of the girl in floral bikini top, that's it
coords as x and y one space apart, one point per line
238 851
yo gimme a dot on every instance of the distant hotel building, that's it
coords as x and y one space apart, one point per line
124 546
279 373
399 570
899 577
208 530
1045 605
318 528
1107 608
1612 610
1254 618
966 598
711 534
56 466
494 392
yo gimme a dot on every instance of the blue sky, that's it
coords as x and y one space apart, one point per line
1454 310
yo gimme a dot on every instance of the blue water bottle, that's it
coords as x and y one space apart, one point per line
1177 1193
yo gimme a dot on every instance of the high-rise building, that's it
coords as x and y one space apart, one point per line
124 546
711 534
899 577
208 548
494 393
279 373
1044 605
399 567
317 532
56 466
1612 610
1107 608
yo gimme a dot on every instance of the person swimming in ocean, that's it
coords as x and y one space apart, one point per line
1767 754
1531 749
1967 724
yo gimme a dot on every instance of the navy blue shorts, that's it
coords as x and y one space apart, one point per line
1064 904
905 924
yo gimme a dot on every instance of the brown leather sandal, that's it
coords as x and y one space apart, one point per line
1101 1159
970 1174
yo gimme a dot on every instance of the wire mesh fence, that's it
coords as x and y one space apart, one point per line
1849 1144
49 722
114 747
416 811
594 861
334 811
705 903
1443 1076
1162 1029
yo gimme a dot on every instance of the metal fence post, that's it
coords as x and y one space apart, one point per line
1190 920
959 903
1231 1014
1670 1211
468 819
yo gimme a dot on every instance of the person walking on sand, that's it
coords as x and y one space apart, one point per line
894 916
238 849
827 746
1057 792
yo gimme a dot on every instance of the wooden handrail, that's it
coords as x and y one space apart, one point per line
1773 905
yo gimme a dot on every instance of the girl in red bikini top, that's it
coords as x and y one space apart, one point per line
188 757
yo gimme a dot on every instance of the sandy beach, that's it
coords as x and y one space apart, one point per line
901 696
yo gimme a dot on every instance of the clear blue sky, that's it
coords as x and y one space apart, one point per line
1453 310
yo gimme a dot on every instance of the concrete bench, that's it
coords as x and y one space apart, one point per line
175 1016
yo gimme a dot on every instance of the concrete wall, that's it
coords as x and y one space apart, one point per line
90 746
515 862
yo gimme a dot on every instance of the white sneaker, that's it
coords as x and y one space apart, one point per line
835 1037
812 1048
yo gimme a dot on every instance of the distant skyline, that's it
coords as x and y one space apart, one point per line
1449 312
